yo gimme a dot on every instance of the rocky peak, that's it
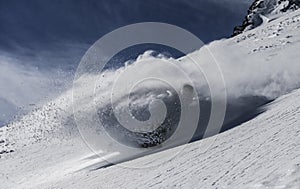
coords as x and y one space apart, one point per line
261 10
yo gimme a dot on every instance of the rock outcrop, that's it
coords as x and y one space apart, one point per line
261 9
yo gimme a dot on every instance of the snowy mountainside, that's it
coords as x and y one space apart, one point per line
262 153
263 10
45 150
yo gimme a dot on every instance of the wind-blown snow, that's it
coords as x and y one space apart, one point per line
271 68
44 149
24 87
262 153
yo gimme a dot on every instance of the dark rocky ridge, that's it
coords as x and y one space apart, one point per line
261 8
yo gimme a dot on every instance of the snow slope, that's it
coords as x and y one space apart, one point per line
45 150
262 153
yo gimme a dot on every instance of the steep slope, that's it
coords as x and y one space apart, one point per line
45 150
262 153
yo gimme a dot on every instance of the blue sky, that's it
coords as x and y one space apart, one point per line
54 30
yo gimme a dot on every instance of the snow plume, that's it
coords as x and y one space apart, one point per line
258 75
256 67
269 75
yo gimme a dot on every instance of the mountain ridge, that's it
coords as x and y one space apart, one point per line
261 10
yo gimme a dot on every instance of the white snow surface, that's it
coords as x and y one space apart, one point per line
45 150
